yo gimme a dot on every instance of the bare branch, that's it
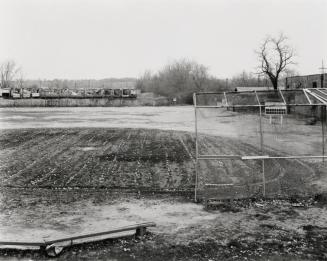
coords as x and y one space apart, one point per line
8 73
275 55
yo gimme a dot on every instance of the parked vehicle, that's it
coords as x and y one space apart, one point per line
25 93
108 92
15 93
126 93
133 93
35 93
5 93
118 93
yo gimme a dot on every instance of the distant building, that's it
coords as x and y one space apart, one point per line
255 88
306 81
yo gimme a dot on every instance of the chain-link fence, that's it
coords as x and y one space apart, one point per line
266 143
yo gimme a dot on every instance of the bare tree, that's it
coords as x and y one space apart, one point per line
20 79
8 72
275 55
185 75
180 79
144 82
200 75
247 79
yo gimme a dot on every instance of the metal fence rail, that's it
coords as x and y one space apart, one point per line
310 99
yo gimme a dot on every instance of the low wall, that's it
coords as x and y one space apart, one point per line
308 111
82 102
302 112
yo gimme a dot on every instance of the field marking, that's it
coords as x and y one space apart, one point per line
187 150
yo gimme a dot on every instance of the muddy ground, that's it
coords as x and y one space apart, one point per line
240 230
100 158
59 178
143 159
59 182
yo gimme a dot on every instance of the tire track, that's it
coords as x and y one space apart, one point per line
57 150
39 161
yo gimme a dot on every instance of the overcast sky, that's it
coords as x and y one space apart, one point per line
98 39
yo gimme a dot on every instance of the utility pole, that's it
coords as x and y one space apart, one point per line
243 78
322 68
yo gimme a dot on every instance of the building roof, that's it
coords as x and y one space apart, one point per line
298 97
255 88
319 94
308 75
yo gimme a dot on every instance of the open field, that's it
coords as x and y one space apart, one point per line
138 159
295 136
69 180
167 118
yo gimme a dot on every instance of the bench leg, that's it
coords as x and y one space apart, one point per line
53 250
206 204
206 201
140 232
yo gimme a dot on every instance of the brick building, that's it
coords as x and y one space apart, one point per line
306 81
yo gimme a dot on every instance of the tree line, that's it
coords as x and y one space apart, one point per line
181 78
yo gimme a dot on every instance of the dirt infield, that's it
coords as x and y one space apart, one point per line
137 159
101 158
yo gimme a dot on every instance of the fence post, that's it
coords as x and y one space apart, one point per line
196 148
261 148
263 178
323 126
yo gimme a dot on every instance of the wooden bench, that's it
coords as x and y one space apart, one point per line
54 247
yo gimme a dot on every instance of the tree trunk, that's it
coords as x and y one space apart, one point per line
274 82
275 85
